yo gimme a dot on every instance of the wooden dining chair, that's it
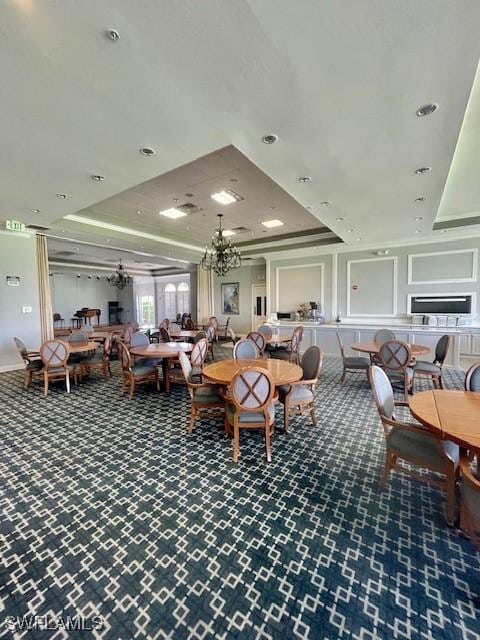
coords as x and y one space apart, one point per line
433 370
211 337
352 364
203 397
135 374
100 359
32 360
54 354
250 406
189 324
259 340
198 356
472 378
383 335
267 333
165 335
395 358
414 444
297 397
470 497
292 352
245 350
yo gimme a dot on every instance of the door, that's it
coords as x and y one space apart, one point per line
259 305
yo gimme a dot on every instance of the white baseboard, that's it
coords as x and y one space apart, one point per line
11 367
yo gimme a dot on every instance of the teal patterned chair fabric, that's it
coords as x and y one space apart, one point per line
433 369
472 378
245 350
413 443
202 396
298 398
351 363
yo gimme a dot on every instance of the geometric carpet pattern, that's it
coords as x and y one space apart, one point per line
110 509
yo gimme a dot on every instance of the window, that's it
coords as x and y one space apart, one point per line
146 310
183 298
170 301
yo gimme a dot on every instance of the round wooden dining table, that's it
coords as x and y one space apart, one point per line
372 347
184 333
454 414
80 347
165 350
282 372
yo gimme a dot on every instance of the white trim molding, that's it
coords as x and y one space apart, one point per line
471 278
301 266
442 294
394 287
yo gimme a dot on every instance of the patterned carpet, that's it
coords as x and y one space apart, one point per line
109 508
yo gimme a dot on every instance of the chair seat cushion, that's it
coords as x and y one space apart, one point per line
428 367
398 375
249 417
301 393
420 448
208 394
34 365
140 370
280 354
357 362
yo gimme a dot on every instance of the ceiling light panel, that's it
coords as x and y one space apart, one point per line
270 224
173 214
227 196
228 232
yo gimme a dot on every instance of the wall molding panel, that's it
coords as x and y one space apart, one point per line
393 286
436 257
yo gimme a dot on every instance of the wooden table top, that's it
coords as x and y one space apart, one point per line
373 347
183 334
282 372
81 347
162 350
456 414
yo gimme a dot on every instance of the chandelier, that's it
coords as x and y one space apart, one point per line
120 278
222 255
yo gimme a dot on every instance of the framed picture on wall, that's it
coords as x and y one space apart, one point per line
231 298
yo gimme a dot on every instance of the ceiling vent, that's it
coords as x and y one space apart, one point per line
188 207
36 227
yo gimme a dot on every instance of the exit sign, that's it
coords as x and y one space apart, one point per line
15 225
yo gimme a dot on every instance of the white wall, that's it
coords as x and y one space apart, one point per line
70 293
18 258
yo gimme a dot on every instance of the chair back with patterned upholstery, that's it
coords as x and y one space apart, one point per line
199 353
78 337
54 353
441 349
383 335
189 325
259 339
266 331
211 332
472 378
139 339
57 317
382 393
395 355
200 336
125 357
252 390
186 370
312 363
213 321
165 335
296 340
245 350
21 346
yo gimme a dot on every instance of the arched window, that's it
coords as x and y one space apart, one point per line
170 301
183 298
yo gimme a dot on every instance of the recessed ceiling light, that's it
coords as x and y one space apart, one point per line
422 170
113 34
147 151
62 195
139 213
272 223
418 231
172 213
419 200
35 210
227 196
97 178
351 230
339 219
228 232
269 138
108 239
427 109
325 203
358 239
418 218
305 179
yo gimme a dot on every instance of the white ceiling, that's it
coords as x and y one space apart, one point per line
338 82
